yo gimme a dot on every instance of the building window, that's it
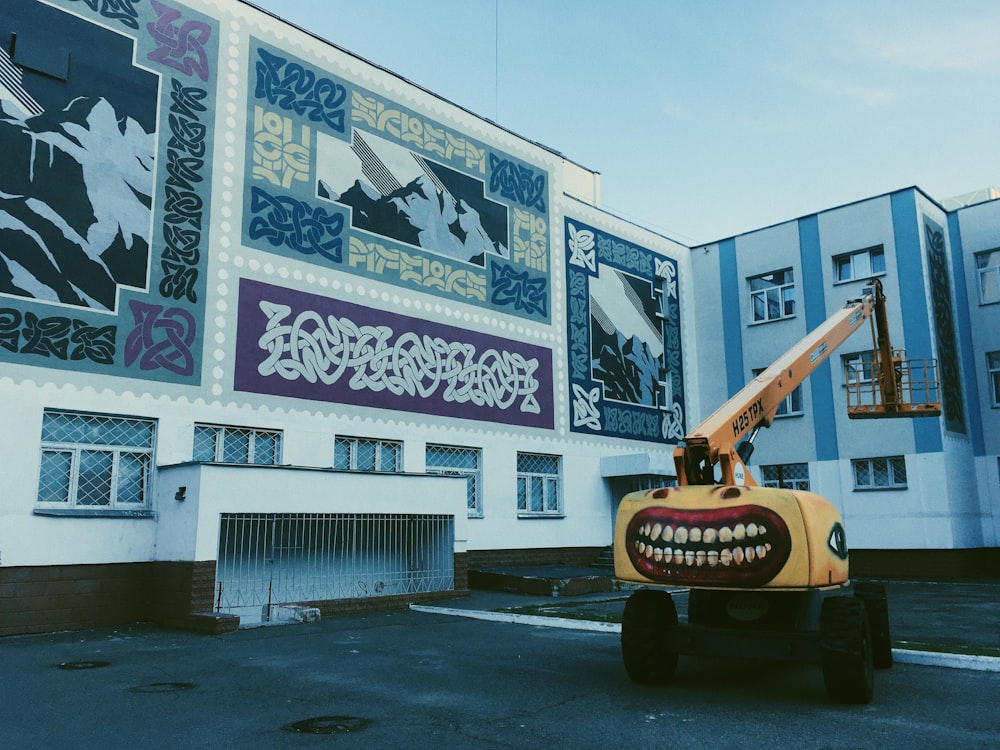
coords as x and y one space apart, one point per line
993 363
236 445
792 405
858 367
772 296
538 491
95 462
367 454
862 264
787 476
988 268
453 461
879 473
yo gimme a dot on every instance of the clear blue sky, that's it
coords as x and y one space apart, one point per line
709 118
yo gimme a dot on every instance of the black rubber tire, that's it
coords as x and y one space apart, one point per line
877 605
846 648
648 622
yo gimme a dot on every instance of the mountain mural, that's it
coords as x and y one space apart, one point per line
626 366
58 242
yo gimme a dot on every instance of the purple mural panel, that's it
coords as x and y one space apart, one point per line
301 345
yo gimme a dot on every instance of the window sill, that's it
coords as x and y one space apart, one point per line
754 323
529 516
93 513
861 279
895 488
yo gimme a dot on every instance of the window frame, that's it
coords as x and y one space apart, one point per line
787 408
219 434
781 481
113 480
856 273
993 377
893 464
473 476
984 271
764 294
550 483
379 445
851 363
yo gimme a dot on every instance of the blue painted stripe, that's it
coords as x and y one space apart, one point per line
814 306
906 228
964 321
732 327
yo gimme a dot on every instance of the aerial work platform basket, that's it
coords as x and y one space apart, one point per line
900 387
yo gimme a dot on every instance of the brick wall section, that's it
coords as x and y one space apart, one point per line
47 599
502 558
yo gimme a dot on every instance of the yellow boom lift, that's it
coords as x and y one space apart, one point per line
766 568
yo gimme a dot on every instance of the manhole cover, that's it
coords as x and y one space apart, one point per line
83 664
328 725
163 687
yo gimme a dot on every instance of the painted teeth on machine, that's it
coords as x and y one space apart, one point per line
696 547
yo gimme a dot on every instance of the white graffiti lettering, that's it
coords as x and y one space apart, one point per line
376 358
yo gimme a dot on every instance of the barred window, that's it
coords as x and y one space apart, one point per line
95 462
538 484
862 264
236 445
454 461
772 296
787 476
367 454
879 473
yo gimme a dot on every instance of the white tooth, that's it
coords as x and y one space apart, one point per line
762 529
649 551
658 554
699 558
725 535
709 536
645 530
695 534
642 548
761 551
726 556
737 555
713 558
678 557
739 532
668 533
681 535
655 533
752 530
689 558
668 554
750 554
768 545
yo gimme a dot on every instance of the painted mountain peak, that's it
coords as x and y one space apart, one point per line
56 243
627 367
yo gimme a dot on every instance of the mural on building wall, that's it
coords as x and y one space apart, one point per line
291 343
952 405
343 177
623 317
105 129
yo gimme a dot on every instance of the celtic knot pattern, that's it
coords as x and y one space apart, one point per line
298 89
673 423
181 48
161 339
517 182
282 220
117 10
581 247
61 338
518 289
329 349
585 407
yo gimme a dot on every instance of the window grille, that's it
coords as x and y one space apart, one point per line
988 269
95 461
538 484
879 473
236 445
455 461
772 296
367 454
266 559
862 264
787 476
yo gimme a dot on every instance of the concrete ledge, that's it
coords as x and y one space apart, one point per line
211 623
547 581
